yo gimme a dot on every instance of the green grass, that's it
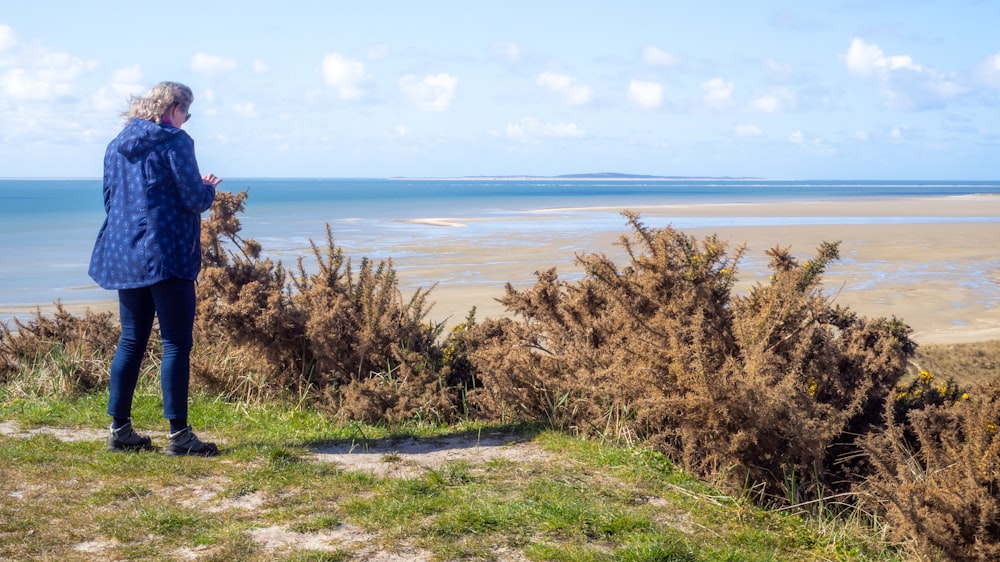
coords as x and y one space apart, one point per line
72 500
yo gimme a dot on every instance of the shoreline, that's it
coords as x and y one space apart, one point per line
967 206
581 177
937 273
941 285
927 261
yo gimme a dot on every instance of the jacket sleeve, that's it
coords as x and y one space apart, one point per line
196 196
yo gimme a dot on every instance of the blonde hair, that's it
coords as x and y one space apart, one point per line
158 100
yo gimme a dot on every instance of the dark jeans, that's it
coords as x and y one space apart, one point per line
173 303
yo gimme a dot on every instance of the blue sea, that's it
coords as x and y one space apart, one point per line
48 226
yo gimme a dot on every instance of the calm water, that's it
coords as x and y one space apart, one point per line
47 227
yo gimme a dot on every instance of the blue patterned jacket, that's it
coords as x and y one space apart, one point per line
153 197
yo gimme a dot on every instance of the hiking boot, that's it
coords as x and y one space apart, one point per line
125 439
184 443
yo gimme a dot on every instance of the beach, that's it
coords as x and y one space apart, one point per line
942 278
929 261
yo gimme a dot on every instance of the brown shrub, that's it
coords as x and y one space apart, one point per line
936 475
60 353
751 388
346 339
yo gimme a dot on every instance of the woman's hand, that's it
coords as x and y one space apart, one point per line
212 180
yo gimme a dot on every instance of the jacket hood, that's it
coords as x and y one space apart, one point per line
140 135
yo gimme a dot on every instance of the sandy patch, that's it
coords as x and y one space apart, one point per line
361 544
26 311
281 538
410 458
96 546
206 495
12 429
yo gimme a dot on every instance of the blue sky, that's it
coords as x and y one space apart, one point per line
855 89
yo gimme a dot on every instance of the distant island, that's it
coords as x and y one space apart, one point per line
591 176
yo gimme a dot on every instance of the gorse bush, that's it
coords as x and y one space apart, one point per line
58 354
922 392
936 471
754 388
345 340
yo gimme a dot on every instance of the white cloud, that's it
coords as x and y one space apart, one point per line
994 62
43 75
944 87
989 71
18 84
379 51
815 145
211 65
260 67
718 92
647 95
565 87
401 131
45 97
902 83
509 51
245 109
654 56
528 129
125 82
775 100
766 104
434 93
128 76
868 58
347 76
8 39
747 130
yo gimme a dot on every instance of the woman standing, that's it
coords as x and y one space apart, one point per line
149 250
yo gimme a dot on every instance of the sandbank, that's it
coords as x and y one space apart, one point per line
940 276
